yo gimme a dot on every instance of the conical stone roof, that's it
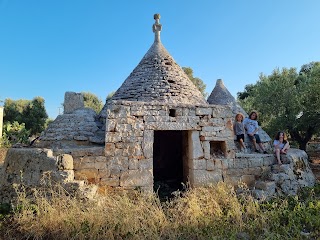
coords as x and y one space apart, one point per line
159 78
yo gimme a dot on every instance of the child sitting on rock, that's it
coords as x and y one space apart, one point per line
238 129
281 145
252 127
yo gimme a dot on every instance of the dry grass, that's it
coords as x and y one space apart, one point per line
214 212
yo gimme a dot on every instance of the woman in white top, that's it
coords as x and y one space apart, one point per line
281 145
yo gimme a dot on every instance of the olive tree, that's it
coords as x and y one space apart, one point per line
287 100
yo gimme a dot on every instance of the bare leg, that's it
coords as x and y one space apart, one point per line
261 146
254 144
285 148
277 152
242 144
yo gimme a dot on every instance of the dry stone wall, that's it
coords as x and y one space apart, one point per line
130 134
29 166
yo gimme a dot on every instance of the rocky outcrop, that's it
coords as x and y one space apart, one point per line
285 179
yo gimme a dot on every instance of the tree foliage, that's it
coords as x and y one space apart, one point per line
14 133
92 101
196 81
287 100
31 113
35 116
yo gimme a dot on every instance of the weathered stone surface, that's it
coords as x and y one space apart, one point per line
90 175
72 102
267 186
294 175
158 78
62 176
249 180
200 164
65 162
196 148
203 111
71 129
136 178
147 145
204 177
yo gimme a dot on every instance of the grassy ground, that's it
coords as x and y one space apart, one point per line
214 212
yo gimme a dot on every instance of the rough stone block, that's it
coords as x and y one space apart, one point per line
90 175
110 125
103 173
147 144
133 164
112 181
206 149
240 163
255 162
249 180
203 111
196 148
210 165
204 177
65 162
100 165
199 164
72 102
112 137
136 178
63 176
146 164
268 186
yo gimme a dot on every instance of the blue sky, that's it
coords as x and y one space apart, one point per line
48 47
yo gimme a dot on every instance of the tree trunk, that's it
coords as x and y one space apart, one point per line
302 141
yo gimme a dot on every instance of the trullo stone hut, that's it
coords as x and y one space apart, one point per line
157 128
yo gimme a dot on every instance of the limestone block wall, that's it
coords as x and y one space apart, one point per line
129 140
30 166
89 164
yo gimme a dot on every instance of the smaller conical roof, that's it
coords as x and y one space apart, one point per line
220 95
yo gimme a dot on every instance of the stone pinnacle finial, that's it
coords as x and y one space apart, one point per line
156 27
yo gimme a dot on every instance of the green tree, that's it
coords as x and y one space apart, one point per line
31 113
196 81
92 101
13 109
287 100
35 116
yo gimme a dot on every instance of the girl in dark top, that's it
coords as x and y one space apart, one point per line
238 129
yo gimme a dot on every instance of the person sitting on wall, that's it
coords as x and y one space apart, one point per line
281 145
252 127
238 129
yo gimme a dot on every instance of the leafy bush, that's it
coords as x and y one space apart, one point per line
14 133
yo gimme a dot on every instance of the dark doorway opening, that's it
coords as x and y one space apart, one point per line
170 154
